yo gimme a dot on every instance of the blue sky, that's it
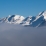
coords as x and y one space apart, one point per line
21 7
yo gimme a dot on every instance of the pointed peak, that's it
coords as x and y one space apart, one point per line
43 13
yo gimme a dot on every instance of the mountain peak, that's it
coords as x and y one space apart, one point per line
44 14
34 21
18 17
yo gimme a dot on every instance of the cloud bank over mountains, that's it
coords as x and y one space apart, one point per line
17 35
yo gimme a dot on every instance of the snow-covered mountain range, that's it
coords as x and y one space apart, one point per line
33 21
